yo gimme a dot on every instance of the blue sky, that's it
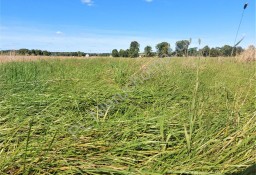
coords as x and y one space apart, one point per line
103 25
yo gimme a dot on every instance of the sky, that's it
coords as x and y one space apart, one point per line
104 25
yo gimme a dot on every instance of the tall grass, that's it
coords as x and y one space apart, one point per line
186 118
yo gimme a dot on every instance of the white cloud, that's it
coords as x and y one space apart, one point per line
87 2
148 0
59 33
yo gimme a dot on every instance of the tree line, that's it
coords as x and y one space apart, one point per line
163 49
37 52
182 49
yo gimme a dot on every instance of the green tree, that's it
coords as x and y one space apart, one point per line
134 49
214 52
206 51
127 52
115 53
23 52
38 52
32 52
182 47
163 49
238 50
192 51
80 54
226 50
46 53
148 51
123 53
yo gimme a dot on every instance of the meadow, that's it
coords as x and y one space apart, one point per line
127 116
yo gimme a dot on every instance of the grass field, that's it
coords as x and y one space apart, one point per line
127 116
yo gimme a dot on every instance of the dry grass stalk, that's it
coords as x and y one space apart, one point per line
248 55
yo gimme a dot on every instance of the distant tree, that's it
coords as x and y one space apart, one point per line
127 52
192 51
206 51
74 54
238 50
79 54
23 52
123 53
46 53
214 52
182 47
38 52
163 49
186 51
148 51
115 53
226 50
32 52
134 49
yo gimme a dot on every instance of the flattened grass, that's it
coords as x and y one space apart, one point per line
183 116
